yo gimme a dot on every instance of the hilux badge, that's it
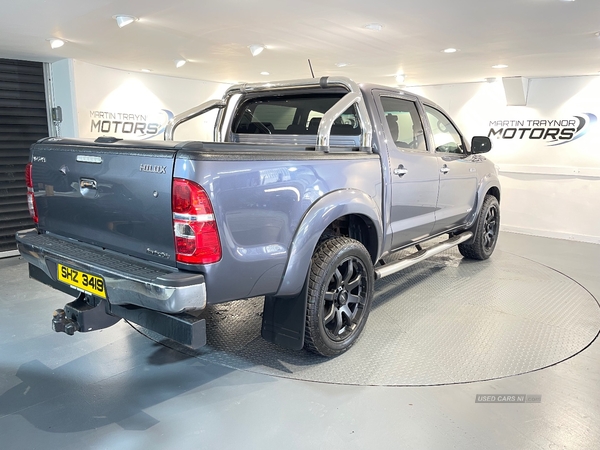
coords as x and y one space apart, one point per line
153 169
89 159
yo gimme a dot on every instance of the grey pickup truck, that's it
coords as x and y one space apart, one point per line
308 189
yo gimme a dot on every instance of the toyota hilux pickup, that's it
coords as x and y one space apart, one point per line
306 191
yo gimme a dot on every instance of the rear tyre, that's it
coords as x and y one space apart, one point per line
340 291
485 231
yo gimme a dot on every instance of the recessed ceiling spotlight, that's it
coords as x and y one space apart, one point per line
400 77
490 79
180 63
265 73
146 70
450 50
341 64
567 1
56 43
256 49
374 26
500 66
124 20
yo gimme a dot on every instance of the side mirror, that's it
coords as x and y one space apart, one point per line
481 144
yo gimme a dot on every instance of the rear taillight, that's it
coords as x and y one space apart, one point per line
30 195
196 235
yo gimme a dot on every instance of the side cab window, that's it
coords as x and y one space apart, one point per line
404 123
446 137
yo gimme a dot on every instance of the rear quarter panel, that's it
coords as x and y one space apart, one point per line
260 201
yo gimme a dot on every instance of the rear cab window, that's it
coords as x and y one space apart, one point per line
292 114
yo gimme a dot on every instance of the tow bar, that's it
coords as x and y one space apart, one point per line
87 313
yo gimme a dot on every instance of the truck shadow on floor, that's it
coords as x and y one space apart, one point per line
98 390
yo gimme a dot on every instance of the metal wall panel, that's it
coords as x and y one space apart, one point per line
23 120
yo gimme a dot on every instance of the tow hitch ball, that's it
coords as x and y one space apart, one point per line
61 324
82 315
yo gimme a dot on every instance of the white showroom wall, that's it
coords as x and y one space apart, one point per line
547 189
98 101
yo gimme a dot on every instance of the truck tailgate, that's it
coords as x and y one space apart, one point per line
115 196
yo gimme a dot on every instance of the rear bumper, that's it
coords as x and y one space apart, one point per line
128 281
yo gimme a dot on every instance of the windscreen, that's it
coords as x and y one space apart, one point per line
293 114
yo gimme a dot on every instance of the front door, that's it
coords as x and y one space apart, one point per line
458 172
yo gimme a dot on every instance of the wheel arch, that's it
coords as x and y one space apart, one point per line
489 185
494 191
345 212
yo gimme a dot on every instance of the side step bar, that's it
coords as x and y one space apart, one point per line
421 255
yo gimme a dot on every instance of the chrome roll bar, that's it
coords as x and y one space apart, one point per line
353 97
190 114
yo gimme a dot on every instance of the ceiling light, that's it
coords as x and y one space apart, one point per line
146 70
180 63
450 50
56 43
500 66
400 78
124 20
374 26
256 49
341 64
265 73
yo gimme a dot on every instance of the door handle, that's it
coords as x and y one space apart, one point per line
400 171
445 169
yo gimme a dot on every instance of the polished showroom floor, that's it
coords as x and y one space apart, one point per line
440 336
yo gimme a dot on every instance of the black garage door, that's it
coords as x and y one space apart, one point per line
23 120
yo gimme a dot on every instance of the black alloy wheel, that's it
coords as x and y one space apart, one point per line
490 228
339 296
485 231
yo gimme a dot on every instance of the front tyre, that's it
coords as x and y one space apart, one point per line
485 231
340 291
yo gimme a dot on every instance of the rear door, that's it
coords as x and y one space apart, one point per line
114 196
414 170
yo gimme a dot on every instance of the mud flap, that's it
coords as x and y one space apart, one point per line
284 320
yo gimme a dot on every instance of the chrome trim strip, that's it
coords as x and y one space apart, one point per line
194 218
